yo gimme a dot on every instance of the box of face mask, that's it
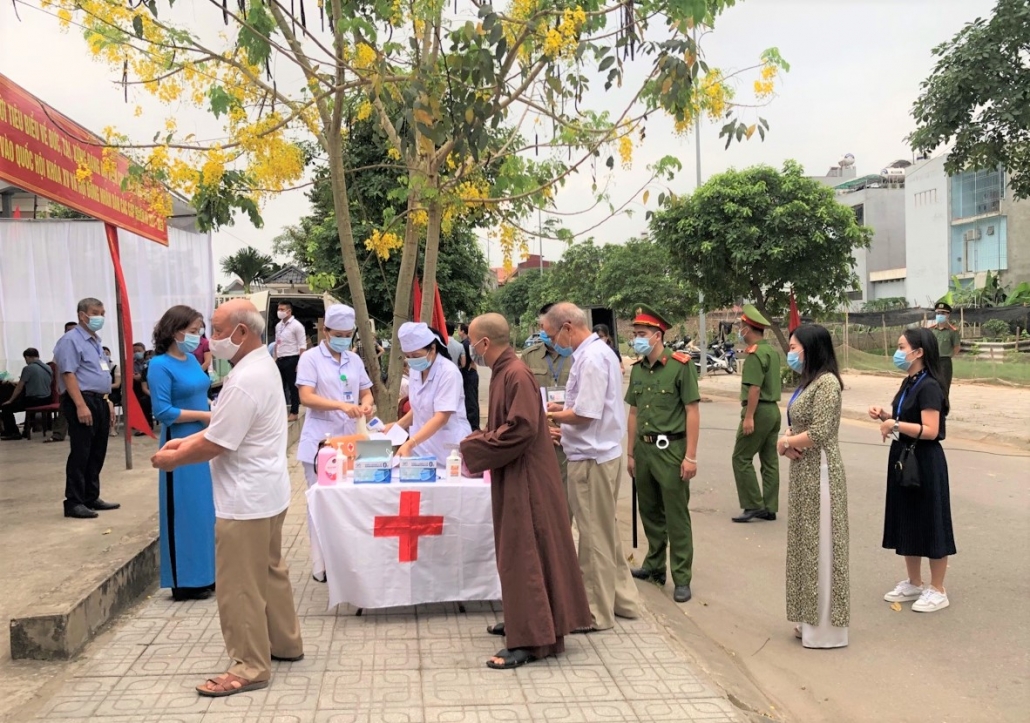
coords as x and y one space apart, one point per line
372 470
418 469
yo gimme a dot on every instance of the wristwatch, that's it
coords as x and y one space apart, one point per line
895 428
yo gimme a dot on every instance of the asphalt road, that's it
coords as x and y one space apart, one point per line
969 662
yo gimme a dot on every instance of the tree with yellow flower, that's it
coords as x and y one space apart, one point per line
484 108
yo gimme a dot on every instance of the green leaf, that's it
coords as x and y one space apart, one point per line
137 26
610 162
221 101
606 63
257 48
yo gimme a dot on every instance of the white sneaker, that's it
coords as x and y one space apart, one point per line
930 601
904 591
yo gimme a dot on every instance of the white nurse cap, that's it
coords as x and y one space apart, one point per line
339 317
414 336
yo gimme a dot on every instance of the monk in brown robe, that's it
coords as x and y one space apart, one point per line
541 584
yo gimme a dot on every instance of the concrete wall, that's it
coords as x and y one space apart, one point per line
927 232
1018 214
883 210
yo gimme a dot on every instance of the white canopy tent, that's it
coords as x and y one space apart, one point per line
46 266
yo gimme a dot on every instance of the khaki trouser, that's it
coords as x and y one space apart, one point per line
255 599
593 492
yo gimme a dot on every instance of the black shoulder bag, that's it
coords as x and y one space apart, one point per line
906 469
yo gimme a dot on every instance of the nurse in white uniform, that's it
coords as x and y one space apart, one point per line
436 423
336 390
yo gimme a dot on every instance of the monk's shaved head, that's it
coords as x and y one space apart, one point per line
493 327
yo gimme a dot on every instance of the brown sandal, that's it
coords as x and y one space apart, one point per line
229 684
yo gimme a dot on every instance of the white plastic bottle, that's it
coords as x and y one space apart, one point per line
454 465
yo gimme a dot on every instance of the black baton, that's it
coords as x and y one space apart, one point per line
633 513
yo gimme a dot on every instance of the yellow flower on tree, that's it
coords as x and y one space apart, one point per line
383 243
626 150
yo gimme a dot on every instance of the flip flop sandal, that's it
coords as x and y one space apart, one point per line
235 685
497 629
797 632
512 659
585 631
296 659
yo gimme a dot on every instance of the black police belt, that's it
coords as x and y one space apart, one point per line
661 441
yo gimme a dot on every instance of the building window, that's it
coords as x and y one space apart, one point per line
854 295
859 213
926 198
977 193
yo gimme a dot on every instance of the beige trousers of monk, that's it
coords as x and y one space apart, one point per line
593 492
255 598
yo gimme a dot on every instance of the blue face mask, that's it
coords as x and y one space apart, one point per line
559 349
642 346
189 343
419 363
942 319
795 362
339 344
545 338
96 323
740 335
901 360
138 356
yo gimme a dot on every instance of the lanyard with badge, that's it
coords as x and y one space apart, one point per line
904 393
555 394
794 396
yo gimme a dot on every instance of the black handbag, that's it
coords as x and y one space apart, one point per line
906 469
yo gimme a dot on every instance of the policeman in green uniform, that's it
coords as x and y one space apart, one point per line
759 422
949 342
663 426
552 374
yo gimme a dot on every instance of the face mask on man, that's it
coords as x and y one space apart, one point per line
642 345
137 355
282 314
941 319
545 338
95 323
478 358
225 348
559 349
339 344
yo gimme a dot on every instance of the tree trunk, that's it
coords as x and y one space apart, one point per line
341 205
432 255
762 307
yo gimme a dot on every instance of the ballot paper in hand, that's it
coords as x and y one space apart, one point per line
397 435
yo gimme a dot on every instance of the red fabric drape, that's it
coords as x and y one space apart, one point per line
134 416
795 317
439 322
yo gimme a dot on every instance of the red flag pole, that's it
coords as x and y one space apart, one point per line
417 296
134 417
438 318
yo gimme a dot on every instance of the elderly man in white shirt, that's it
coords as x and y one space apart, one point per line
593 423
290 341
246 444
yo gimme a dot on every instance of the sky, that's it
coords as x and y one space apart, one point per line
856 66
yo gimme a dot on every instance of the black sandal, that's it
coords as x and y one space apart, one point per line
512 659
497 629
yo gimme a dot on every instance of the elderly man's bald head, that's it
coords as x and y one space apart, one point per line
492 326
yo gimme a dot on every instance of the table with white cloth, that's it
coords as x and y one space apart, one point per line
402 543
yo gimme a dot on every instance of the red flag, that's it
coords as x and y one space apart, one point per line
134 416
795 317
417 296
438 318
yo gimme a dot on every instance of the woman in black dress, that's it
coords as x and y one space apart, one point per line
917 521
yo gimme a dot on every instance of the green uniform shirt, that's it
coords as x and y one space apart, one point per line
549 369
761 369
948 340
660 393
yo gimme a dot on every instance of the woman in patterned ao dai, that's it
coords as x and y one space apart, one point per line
818 587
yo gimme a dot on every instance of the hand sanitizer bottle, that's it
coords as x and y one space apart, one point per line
454 465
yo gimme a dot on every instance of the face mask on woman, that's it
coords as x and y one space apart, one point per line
189 343
339 344
901 360
419 363
795 361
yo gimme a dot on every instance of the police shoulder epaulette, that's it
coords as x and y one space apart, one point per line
682 357
637 360
751 349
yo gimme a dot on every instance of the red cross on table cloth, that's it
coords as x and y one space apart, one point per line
408 526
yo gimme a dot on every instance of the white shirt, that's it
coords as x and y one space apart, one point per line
594 391
250 479
442 391
290 339
319 370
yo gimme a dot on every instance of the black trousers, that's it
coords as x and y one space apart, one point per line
470 378
88 450
144 402
947 370
288 371
19 405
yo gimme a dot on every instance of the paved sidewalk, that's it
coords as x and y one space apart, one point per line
396 665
